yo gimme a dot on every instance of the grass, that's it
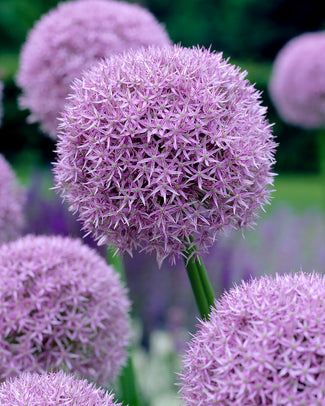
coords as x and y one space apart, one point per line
300 191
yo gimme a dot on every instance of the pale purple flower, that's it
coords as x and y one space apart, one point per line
53 389
288 240
12 199
71 38
61 306
263 345
297 84
157 145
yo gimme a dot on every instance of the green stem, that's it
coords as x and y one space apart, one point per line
128 385
205 282
320 139
200 282
197 287
127 379
117 262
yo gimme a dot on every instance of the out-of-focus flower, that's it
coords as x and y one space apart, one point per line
159 145
288 240
297 84
12 199
263 345
46 214
70 39
154 370
61 306
52 389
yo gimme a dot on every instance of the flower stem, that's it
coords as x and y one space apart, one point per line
197 288
128 385
320 140
205 282
127 379
200 283
117 262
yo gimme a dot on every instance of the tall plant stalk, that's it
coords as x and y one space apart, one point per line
200 283
130 394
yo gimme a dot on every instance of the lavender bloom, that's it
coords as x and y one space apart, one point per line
61 306
71 38
297 84
158 145
53 389
45 213
288 240
12 199
263 345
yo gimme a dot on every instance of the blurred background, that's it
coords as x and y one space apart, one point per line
250 32
290 236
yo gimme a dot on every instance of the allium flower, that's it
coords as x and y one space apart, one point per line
263 345
297 84
61 306
158 145
68 40
53 389
12 200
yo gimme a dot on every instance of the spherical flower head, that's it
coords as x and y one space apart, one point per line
12 199
297 84
71 38
263 345
52 389
160 144
61 306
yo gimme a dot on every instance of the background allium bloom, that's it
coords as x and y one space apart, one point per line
12 199
157 145
297 84
68 40
53 389
61 305
263 345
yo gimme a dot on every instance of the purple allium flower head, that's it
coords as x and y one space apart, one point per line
68 40
61 306
53 389
12 199
297 84
157 145
263 345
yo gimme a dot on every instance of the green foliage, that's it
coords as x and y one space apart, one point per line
16 19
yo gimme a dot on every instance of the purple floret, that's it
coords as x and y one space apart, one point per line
263 345
157 145
61 306
53 389
12 199
68 40
297 84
